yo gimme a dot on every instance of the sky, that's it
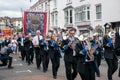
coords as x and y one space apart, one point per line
12 8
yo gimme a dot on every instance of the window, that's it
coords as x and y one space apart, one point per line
82 13
69 1
55 3
88 13
69 16
18 24
42 7
46 6
66 16
82 0
98 12
54 17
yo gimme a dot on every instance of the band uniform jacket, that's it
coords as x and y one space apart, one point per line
80 58
19 40
42 45
109 49
53 52
28 44
68 52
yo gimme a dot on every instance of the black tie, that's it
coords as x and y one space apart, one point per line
39 39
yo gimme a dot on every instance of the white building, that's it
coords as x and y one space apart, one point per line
88 16
2 24
18 24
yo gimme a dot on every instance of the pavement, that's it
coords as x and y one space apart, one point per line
22 71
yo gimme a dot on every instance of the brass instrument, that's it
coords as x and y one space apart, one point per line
92 50
59 43
111 34
90 56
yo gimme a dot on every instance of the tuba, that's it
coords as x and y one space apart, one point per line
111 34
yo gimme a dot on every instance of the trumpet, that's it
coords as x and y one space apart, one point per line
59 43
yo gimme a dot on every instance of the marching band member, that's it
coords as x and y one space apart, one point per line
97 54
89 61
36 44
20 41
70 55
109 54
45 50
54 55
117 47
81 55
85 59
29 48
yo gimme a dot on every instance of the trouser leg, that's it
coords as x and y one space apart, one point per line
110 68
68 66
74 67
4 62
90 72
10 62
37 52
115 65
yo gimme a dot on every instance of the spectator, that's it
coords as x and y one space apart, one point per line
5 56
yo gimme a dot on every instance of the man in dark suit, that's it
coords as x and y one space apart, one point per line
6 41
109 54
29 49
20 41
70 55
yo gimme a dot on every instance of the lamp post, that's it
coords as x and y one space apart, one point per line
107 26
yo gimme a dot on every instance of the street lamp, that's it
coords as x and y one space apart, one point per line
107 27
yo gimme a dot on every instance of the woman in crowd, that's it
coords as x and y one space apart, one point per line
54 55
14 45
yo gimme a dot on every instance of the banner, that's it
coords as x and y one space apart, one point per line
7 32
35 21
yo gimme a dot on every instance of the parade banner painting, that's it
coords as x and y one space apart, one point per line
35 21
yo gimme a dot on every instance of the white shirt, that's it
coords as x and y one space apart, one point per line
22 41
36 40
14 42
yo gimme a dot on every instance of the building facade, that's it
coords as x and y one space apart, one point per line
4 22
17 22
87 16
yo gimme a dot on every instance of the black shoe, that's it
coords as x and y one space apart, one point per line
44 71
98 75
55 77
32 62
28 64
20 57
38 68
10 67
